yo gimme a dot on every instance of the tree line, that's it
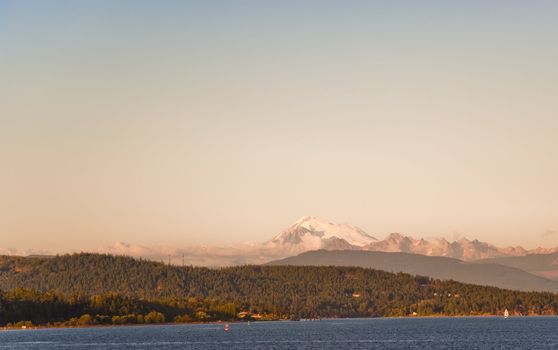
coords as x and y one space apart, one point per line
26 307
102 289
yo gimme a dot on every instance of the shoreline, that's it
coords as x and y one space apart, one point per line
41 327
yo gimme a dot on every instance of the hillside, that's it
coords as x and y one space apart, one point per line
491 274
122 285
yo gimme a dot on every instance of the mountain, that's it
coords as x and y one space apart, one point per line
310 233
444 268
463 249
544 265
307 234
22 252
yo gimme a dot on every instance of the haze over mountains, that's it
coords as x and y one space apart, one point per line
544 265
306 234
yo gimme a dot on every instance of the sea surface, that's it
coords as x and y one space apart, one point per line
372 333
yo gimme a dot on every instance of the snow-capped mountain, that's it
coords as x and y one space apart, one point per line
311 233
307 234
463 249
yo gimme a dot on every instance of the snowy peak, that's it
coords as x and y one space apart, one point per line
395 242
314 233
311 233
462 249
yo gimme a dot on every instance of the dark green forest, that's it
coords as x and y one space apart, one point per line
84 289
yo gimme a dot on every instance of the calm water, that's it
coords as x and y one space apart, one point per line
411 333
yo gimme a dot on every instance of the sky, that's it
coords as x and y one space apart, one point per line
218 122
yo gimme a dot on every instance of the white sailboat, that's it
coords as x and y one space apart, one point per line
506 313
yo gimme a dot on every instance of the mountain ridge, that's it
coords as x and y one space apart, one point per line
444 268
297 239
544 265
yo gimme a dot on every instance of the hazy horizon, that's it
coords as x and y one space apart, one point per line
157 250
186 123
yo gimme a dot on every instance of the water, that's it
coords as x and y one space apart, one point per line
408 333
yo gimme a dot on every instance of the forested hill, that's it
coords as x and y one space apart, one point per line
299 291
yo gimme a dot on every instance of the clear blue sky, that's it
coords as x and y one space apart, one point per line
224 121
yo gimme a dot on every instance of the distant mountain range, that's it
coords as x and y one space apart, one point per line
311 233
324 243
510 267
484 272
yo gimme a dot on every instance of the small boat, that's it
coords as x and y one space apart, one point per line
506 313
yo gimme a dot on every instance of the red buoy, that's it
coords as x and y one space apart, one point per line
227 327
